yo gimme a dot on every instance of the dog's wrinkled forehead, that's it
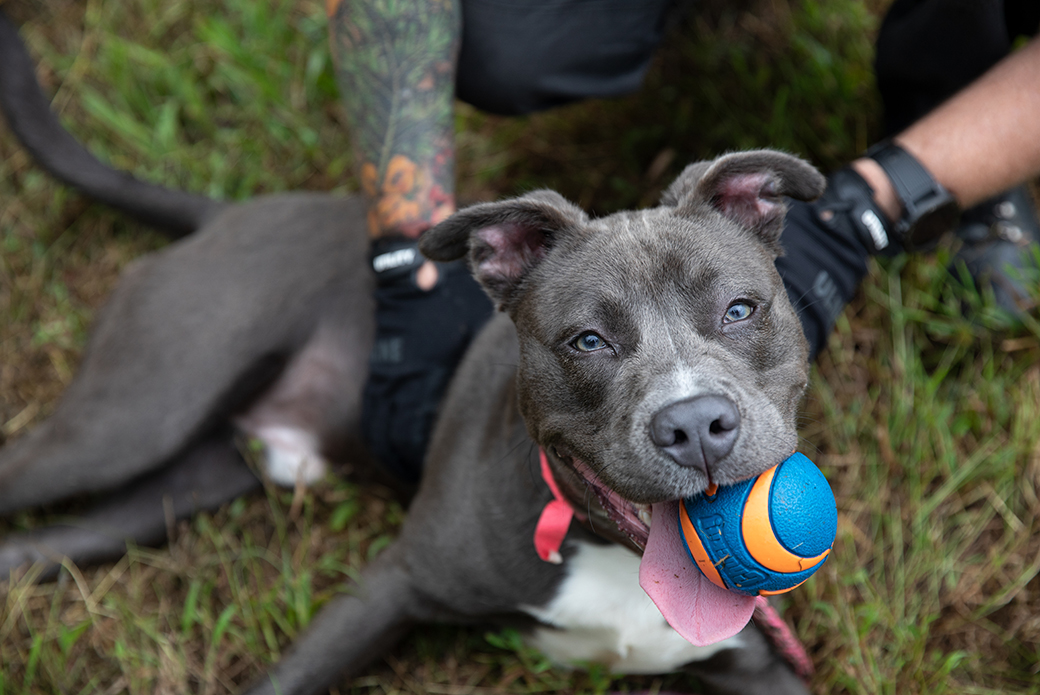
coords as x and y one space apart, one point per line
652 261
653 250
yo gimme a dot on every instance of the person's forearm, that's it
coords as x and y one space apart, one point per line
981 141
395 63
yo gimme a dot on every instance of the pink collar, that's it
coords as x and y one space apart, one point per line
555 519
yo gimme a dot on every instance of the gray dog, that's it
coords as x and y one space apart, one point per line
637 359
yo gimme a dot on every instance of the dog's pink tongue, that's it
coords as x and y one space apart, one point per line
697 609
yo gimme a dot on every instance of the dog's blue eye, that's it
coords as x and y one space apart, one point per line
737 312
589 342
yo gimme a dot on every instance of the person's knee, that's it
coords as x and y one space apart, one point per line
503 84
494 78
533 56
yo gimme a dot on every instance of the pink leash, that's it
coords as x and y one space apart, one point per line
783 639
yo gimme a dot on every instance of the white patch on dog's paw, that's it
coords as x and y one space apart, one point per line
291 456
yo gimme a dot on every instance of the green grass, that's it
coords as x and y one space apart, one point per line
927 425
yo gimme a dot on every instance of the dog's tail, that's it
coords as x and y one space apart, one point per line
30 118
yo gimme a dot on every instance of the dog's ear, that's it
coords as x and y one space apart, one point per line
505 240
748 188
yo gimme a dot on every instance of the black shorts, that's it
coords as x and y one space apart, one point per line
929 49
520 56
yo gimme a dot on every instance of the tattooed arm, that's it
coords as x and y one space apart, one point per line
395 62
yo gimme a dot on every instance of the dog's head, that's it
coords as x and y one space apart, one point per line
658 350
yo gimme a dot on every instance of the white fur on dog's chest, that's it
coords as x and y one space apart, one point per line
602 615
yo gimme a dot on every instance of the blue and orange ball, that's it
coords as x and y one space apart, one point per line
764 535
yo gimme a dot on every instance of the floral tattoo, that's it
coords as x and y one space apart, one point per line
395 63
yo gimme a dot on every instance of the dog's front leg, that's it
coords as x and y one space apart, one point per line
350 631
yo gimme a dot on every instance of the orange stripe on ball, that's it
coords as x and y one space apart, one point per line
700 556
763 592
759 537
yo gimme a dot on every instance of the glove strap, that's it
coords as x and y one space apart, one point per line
929 210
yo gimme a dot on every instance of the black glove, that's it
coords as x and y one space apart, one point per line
826 246
420 338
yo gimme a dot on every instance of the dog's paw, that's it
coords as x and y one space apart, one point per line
291 456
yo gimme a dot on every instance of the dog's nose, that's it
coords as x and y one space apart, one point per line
697 432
